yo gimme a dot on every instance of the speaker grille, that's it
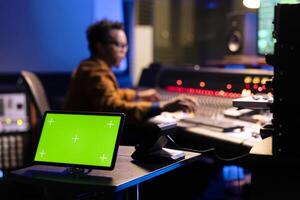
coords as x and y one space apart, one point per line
235 42
241 34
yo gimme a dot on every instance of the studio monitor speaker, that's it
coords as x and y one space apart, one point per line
241 34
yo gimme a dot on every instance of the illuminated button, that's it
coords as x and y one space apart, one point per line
221 92
228 86
264 80
248 79
246 92
260 89
179 82
256 80
8 121
202 84
19 122
255 86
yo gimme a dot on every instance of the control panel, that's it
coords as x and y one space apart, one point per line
13 113
216 91
215 81
14 130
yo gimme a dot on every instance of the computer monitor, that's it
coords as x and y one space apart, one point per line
265 40
79 139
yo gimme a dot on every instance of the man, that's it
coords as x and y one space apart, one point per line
94 87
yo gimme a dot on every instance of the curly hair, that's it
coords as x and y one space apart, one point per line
99 32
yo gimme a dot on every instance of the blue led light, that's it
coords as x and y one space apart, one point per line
212 5
1 174
267 67
233 172
235 66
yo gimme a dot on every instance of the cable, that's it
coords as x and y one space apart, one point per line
187 149
205 151
231 159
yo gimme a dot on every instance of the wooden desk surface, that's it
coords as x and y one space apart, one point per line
127 173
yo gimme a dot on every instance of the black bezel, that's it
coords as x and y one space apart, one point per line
122 115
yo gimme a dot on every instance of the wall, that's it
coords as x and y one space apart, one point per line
48 36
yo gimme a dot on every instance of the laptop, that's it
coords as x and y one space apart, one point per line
79 139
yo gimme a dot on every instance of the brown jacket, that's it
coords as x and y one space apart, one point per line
94 88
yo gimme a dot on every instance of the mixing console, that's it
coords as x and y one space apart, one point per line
219 109
208 106
14 130
214 90
12 148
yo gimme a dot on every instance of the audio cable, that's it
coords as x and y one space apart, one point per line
206 151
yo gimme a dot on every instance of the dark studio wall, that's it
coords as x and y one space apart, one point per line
48 38
188 32
43 35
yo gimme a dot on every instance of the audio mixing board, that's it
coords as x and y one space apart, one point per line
215 90
14 130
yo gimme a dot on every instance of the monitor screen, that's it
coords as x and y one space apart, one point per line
265 40
79 139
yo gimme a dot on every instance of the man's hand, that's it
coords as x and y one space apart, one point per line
148 95
185 104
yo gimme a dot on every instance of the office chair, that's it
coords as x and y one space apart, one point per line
31 84
34 87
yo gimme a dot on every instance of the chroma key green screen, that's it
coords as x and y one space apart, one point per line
78 139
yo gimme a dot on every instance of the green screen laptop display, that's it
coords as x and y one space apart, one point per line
79 139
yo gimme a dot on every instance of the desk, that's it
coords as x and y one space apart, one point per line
198 136
263 148
126 174
204 138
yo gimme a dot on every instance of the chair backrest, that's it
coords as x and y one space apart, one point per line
36 90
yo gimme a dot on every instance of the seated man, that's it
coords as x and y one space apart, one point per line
94 87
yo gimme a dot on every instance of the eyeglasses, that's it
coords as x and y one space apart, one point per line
119 45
